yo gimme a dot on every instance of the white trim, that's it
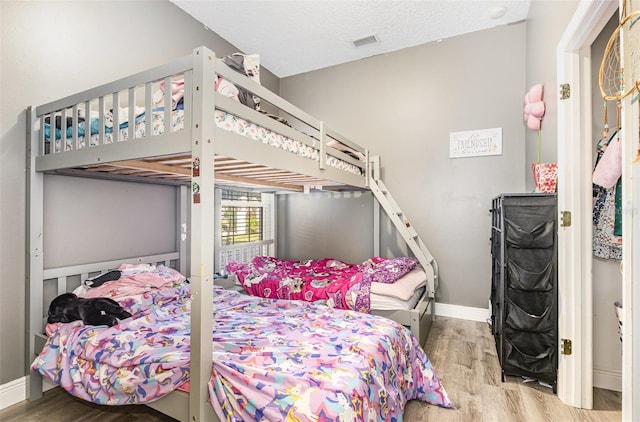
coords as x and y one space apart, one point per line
575 318
16 391
630 245
607 379
13 392
462 312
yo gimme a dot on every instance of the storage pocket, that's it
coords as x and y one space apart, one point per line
533 303
521 319
532 260
539 236
533 353
520 278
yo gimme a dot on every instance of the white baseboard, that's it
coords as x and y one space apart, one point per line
13 392
607 379
462 312
16 391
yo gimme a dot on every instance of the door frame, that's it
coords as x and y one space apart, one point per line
575 318
631 243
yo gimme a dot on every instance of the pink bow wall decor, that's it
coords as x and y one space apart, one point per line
534 107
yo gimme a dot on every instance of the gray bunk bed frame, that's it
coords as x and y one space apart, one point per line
167 158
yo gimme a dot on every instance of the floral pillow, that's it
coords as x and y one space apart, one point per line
387 270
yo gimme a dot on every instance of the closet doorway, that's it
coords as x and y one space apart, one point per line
575 375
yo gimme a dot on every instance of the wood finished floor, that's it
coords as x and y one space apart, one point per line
464 355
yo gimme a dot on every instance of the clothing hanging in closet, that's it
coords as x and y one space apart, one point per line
607 213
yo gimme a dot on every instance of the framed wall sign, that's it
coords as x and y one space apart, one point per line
475 143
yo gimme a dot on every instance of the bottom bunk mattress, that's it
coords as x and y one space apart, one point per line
272 359
380 302
330 281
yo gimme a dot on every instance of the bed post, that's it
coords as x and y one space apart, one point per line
202 228
181 228
34 267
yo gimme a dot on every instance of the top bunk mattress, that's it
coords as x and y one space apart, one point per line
106 130
223 120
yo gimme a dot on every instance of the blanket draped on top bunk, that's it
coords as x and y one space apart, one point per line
329 281
61 131
272 359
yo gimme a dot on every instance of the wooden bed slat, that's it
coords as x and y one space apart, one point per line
154 167
239 179
163 168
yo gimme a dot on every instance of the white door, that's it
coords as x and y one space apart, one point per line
575 370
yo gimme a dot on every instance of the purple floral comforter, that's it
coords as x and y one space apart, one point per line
330 281
272 359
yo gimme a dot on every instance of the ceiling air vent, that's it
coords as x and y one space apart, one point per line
371 39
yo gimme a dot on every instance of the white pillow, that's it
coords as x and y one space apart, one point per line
404 287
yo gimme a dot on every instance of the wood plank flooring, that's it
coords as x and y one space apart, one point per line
464 355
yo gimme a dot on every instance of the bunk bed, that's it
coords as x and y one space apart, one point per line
206 140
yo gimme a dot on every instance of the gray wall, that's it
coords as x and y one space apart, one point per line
53 49
108 218
337 225
402 106
546 23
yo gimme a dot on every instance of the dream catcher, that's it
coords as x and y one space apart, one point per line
611 77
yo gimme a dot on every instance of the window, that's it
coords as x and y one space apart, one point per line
246 226
242 219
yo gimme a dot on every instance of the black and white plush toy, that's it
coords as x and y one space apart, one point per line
92 311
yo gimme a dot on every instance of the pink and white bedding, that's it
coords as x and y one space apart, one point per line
272 359
328 281
246 64
223 120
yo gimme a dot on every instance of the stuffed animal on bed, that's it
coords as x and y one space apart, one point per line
92 311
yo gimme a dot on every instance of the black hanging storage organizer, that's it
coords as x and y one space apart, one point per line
524 285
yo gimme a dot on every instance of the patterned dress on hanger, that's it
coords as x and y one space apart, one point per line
606 243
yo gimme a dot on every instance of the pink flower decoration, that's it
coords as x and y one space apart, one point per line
534 107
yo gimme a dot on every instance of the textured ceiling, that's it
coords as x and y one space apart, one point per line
298 36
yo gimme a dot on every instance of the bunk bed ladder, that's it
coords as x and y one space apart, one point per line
406 230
